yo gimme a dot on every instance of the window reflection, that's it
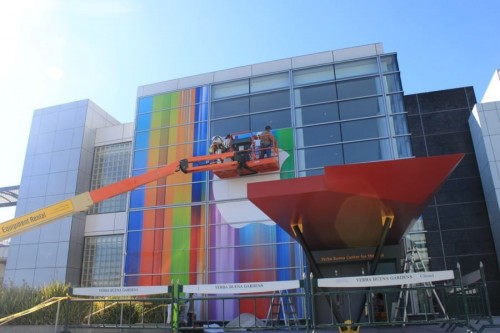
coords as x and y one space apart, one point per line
389 63
269 82
318 135
229 89
360 108
270 101
315 94
313 75
364 129
320 156
358 88
315 114
367 151
356 68
230 107
276 119
230 125
392 83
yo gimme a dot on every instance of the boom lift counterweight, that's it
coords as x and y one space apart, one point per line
240 161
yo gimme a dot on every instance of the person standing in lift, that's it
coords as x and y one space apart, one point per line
266 142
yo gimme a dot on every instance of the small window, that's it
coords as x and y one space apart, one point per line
367 151
389 64
270 101
313 75
230 125
356 68
318 135
360 108
276 119
269 82
316 157
316 114
230 107
364 129
392 83
315 94
229 89
359 88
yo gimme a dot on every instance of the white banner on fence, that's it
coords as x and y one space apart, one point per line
240 288
385 280
120 291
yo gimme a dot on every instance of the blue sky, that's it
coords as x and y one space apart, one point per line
58 51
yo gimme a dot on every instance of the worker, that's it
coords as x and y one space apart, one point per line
216 146
228 140
266 142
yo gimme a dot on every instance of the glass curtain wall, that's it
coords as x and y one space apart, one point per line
349 112
197 228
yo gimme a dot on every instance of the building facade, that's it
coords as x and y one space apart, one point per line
456 227
336 107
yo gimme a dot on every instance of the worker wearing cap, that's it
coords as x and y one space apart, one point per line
266 142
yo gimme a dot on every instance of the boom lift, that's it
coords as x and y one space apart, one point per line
240 159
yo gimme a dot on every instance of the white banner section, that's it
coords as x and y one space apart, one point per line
240 288
385 280
120 291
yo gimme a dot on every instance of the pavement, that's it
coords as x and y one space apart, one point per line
481 326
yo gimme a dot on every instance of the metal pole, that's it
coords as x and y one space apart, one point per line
486 295
464 296
57 316
315 270
378 252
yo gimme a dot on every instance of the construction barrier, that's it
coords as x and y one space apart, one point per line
442 298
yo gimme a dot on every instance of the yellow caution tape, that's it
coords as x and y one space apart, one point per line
40 306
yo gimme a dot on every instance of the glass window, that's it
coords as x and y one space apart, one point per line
312 172
313 75
315 94
359 108
270 101
404 147
143 122
400 124
315 114
111 164
395 103
320 156
269 82
367 151
356 68
230 125
318 135
229 89
364 129
276 119
389 63
392 83
358 88
141 140
102 261
230 107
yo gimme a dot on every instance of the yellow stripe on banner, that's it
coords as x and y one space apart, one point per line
36 218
